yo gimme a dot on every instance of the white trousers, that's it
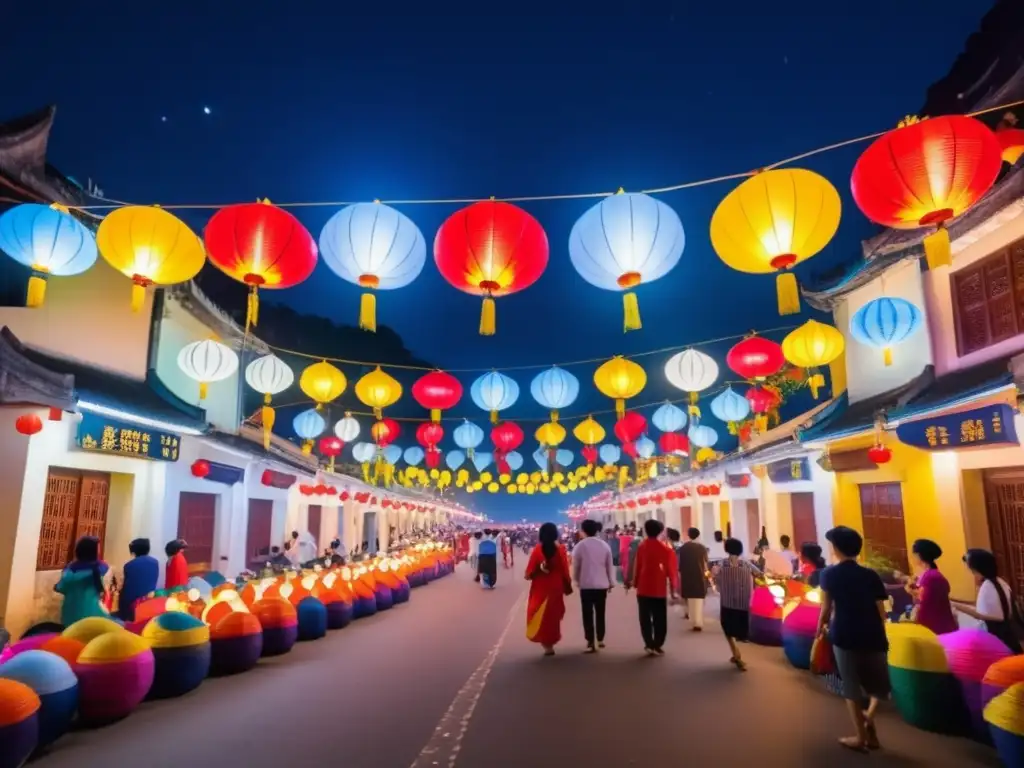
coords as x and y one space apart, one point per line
695 608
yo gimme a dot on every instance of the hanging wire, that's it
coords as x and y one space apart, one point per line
107 203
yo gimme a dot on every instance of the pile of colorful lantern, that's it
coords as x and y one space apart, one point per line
766 609
925 692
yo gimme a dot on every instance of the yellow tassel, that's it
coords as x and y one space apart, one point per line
252 309
936 249
203 390
307 448
368 312
732 427
378 413
887 356
330 465
487 317
267 416
138 297
631 312
494 420
366 471
36 291
761 422
788 293
435 415
815 383
620 408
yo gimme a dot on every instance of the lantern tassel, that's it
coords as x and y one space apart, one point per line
494 417
887 356
788 293
330 465
761 422
252 309
620 408
138 297
307 447
815 383
937 249
554 417
631 312
203 390
488 320
267 416
36 291
435 415
368 312
366 471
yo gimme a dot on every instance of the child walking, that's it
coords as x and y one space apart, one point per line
735 582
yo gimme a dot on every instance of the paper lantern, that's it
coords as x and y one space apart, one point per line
364 452
413 455
330 448
969 654
494 392
506 437
181 652
629 428
514 460
308 426
312 619
555 389
429 434
151 246
54 682
385 432
1005 718
811 346
588 431
645 447
800 627
755 358
454 459
1011 141
268 375
236 644
550 434
926 173
375 247
378 390
482 460
468 436
703 436
19 722
610 454
115 672
620 379
491 249
347 429
322 383
280 624
1001 675
261 246
669 418
623 241
564 457
885 322
772 222
674 443
28 424
762 401
692 372
200 468
437 391
925 693
590 455
730 407
207 362
392 454
49 241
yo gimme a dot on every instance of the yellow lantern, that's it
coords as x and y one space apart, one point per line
772 222
620 379
589 432
151 246
378 390
810 346
550 434
322 383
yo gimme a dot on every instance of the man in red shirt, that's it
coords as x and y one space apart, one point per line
653 572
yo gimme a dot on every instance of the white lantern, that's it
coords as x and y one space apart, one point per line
207 362
271 376
364 452
347 429
693 372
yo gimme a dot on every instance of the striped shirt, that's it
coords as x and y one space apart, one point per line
735 583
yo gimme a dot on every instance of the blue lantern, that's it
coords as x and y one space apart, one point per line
540 457
413 456
375 247
669 418
49 241
308 425
610 454
555 389
623 241
885 322
703 436
482 460
392 454
645 447
454 459
364 452
514 459
731 407
564 457
494 392
468 437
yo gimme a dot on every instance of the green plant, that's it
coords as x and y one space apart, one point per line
876 561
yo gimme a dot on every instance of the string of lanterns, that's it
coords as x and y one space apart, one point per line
920 175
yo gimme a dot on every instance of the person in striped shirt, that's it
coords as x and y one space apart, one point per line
735 582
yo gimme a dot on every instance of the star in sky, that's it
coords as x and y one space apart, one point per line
206 110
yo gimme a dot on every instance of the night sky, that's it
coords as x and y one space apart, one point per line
324 105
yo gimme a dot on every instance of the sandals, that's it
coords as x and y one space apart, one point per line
854 744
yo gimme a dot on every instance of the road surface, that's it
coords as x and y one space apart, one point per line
450 680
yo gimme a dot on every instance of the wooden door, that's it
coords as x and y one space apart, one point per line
885 532
197 522
1004 500
753 524
313 517
258 533
75 505
804 527
686 518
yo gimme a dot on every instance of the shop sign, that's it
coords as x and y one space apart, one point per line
789 471
991 425
98 433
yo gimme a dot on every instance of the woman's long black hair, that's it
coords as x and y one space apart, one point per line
984 562
548 536
87 552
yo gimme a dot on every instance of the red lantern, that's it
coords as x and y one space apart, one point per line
429 434
642 501
28 424
673 442
320 490
658 498
385 432
56 414
331 490
437 391
491 249
879 454
630 449
631 504
200 468
630 427
506 437
589 454
925 173
755 358
714 490
306 490
702 490
1011 142
330 448
385 504
261 246
343 496
432 457
744 481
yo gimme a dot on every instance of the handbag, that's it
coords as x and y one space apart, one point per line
823 658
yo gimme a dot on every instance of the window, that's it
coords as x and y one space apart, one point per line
988 300
75 506
885 533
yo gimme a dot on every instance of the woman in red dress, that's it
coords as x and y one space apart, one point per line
550 581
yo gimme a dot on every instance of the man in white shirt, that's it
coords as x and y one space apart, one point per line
474 553
594 574
717 549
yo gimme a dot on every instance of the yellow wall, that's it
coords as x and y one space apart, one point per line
723 516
